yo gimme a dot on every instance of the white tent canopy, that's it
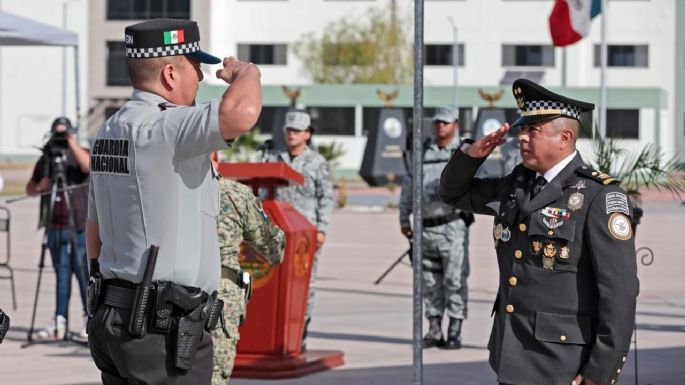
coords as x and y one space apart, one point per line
17 30
20 31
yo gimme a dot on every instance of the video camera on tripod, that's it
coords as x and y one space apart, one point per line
55 150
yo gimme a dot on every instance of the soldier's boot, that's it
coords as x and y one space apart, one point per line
434 335
453 334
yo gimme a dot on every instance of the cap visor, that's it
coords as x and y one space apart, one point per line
533 118
204 57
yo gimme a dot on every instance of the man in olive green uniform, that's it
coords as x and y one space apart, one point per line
565 309
241 218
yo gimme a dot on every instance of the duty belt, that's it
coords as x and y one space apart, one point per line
437 221
231 275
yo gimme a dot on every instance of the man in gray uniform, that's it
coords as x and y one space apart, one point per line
565 307
445 237
314 199
152 184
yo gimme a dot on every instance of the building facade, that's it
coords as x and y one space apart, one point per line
498 41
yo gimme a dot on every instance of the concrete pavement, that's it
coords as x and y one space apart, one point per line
371 323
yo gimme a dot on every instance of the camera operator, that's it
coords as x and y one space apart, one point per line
63 151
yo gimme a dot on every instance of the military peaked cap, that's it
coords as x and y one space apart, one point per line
537 103
166 37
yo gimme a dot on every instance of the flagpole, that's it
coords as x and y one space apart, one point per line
563 67
602 81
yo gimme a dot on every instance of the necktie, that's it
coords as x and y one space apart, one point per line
537 186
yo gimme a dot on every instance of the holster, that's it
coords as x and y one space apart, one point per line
94 292
94 288
213 309
162 310
188 336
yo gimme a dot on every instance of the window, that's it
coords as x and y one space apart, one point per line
624 124
117 70
332 120
147 9
370 117
441 55
263 53
325 120
270 116
624 55
527 55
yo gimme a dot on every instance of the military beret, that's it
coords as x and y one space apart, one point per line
166 37
537 103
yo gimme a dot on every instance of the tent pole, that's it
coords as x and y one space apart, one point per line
77 90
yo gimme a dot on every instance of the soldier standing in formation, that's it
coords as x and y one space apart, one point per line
151 184
445 237
241 218
314 199
565 309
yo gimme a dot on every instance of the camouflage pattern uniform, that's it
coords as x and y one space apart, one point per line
445 246
241 218
314 199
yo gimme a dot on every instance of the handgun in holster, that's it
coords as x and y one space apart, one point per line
214 308
137 325
94 288
189 333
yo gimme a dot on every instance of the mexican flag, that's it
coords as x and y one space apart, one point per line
173 37
570 20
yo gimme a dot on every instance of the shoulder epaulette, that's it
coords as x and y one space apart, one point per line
597 176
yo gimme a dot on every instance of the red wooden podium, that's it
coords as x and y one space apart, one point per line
271 336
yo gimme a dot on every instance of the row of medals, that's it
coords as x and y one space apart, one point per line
553 218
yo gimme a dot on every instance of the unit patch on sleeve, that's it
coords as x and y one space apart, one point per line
110 156
619 227
617 203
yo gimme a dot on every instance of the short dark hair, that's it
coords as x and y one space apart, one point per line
142 70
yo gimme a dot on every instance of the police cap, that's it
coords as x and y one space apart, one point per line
166 37
537 103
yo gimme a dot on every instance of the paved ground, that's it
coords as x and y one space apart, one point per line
372 324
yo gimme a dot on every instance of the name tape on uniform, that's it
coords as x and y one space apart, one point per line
110 156
617 203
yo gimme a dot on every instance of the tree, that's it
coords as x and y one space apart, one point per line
373 48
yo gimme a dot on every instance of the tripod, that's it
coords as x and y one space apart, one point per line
58 171
387 271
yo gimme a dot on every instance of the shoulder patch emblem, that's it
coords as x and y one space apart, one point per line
617 202
619 227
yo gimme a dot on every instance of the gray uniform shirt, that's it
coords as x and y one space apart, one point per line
151 183
434 161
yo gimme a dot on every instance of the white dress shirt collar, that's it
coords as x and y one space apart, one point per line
554 171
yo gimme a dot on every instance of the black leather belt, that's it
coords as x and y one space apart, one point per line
231 275
117 296
437 221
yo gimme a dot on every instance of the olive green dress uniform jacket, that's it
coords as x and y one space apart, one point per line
576 318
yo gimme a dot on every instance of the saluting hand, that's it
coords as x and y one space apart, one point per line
234 68
486 145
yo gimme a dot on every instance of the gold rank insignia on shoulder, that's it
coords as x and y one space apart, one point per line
598 176
575 201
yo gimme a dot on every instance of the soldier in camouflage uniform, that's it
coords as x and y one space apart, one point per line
241 219
314 199
445 237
